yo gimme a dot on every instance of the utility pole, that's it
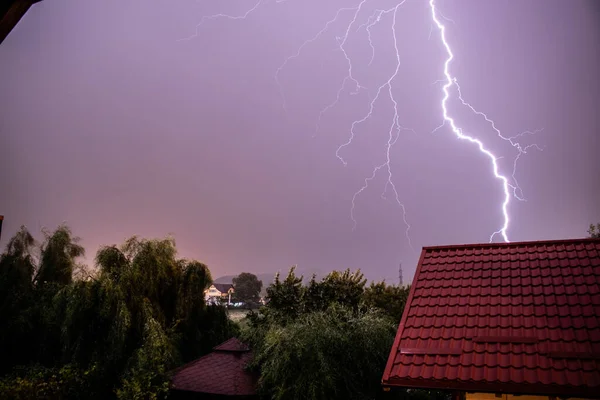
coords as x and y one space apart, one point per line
400 274
11 12
1 219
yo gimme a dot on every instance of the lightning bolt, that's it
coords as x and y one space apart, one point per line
450 90
372 21
517 191
299 51
349 76
226 16
394 130
450 82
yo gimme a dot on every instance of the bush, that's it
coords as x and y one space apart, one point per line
332 354
38 382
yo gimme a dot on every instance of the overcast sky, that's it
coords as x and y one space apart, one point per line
112 123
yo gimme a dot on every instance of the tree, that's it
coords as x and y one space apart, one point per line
247 287
594 231
284 299
334 354
17 267
345 288
58 254
329 339
117 334
389 298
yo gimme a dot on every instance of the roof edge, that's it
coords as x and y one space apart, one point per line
221 347
394 350
192 393
233 351
510 244
175 370
495 387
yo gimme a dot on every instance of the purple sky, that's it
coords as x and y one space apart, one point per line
113 124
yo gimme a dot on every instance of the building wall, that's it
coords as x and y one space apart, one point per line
504 396
213 295
213 292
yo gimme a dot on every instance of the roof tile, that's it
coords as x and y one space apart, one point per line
549 290
221 372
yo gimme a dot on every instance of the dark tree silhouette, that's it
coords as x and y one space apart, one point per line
247 287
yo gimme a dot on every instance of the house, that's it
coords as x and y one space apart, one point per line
221 374
494 321
219 293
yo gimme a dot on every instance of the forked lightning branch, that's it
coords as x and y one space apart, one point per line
357 23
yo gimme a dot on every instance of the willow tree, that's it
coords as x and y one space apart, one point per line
327 340
58 256
117 334
337 353
17 266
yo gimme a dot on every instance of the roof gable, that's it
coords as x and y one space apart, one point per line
232 345
513 317
223 287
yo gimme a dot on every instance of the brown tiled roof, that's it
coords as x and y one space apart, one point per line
513 318
221 372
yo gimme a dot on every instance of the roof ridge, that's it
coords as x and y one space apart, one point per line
238 346
512 244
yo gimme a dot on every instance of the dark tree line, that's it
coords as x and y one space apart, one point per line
329 339
247 288
69 333
116 331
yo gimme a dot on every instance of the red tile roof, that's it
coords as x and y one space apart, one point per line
221 372
513 318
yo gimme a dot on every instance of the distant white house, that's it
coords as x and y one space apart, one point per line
219 293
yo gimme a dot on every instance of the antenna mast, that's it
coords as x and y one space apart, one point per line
400 274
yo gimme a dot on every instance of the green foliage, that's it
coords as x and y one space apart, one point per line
16 287
327 340
112 262
145 374
594 231
70 334
247 287
59 252
388 298
116 333
333 354
17 265
288 299
285 298
38 382
337 287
